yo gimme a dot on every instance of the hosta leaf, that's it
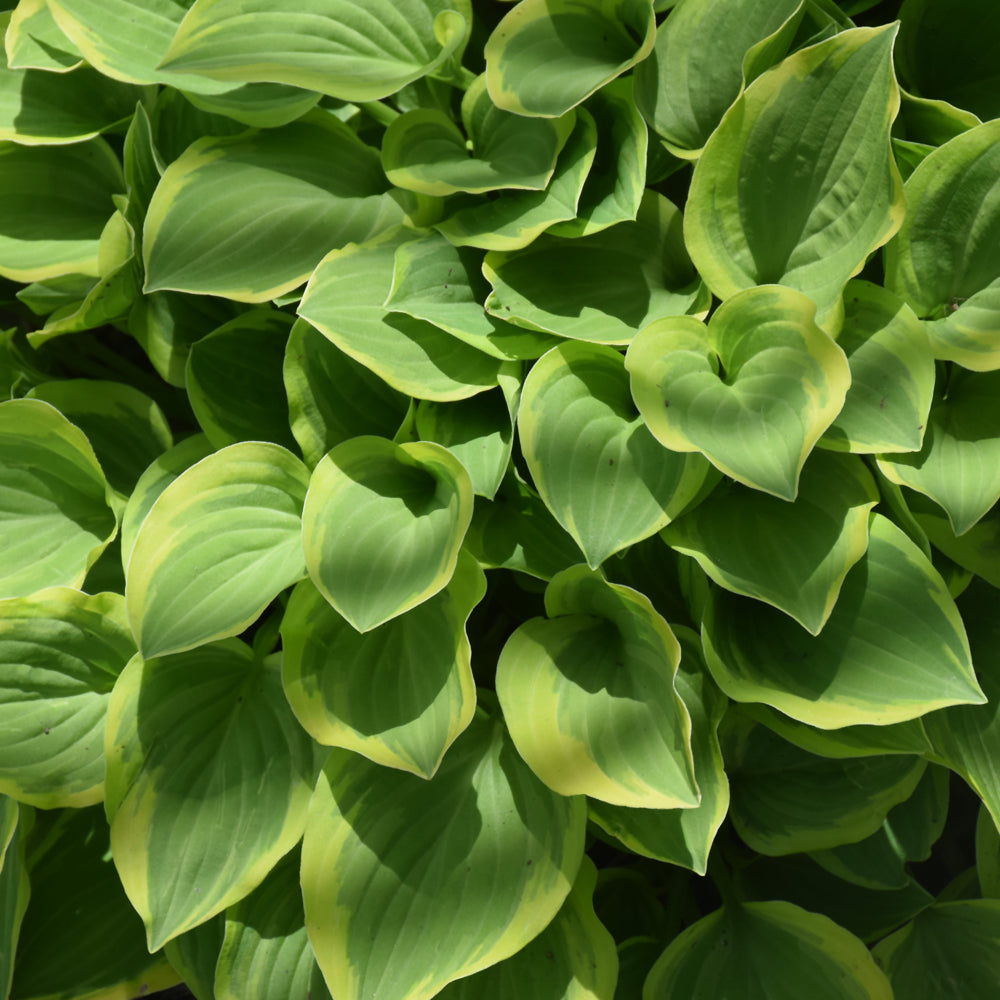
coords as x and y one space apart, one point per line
574 958
479 432
336 679
60 653
54 515
195 954
424 150
205 232
41 108
797 185
209 778
949 945
14 886
753 391
383 525
682 93
259 105
546 56
344 301
614 186
217 546
234 380
605 478
331 397
127 39
177 123
500 849
126 429
945 51
444 285
356 53
265 952
54 203
601 288
35 41
785 800
589 697
782 950
977 551
156 478
893 649
958 466
518 532
740 538
892 374
945 261
512 219
681 836
78 908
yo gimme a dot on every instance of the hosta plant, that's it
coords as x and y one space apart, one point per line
500 500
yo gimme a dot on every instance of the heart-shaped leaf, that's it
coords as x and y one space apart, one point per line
797 185
383 525
500 848
335 678
740 538
338 47
892 374
601 288
193 574
893 649
781 384
583 690
958 466
424 150
546 56
605 478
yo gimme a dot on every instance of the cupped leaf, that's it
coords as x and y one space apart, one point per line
783 950
205 232
345 302
382 526
217 546
590 700
696 69
336 679
54 203
741 538
892 374
500 849
977 551
510 220
43 108
35 41
126 428
945 261
337 47
546 56
265 951
331 397
234 380
574 958
950 944
209 778
424 150
259 105
753 391
601 288
433 280
797 185
60 653
958 466
681 836
785 800
893 649
54 498
80 935
614 186
600 471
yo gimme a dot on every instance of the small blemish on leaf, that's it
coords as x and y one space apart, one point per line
550 956
666 404
529 862
611 461
881 403
46 730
